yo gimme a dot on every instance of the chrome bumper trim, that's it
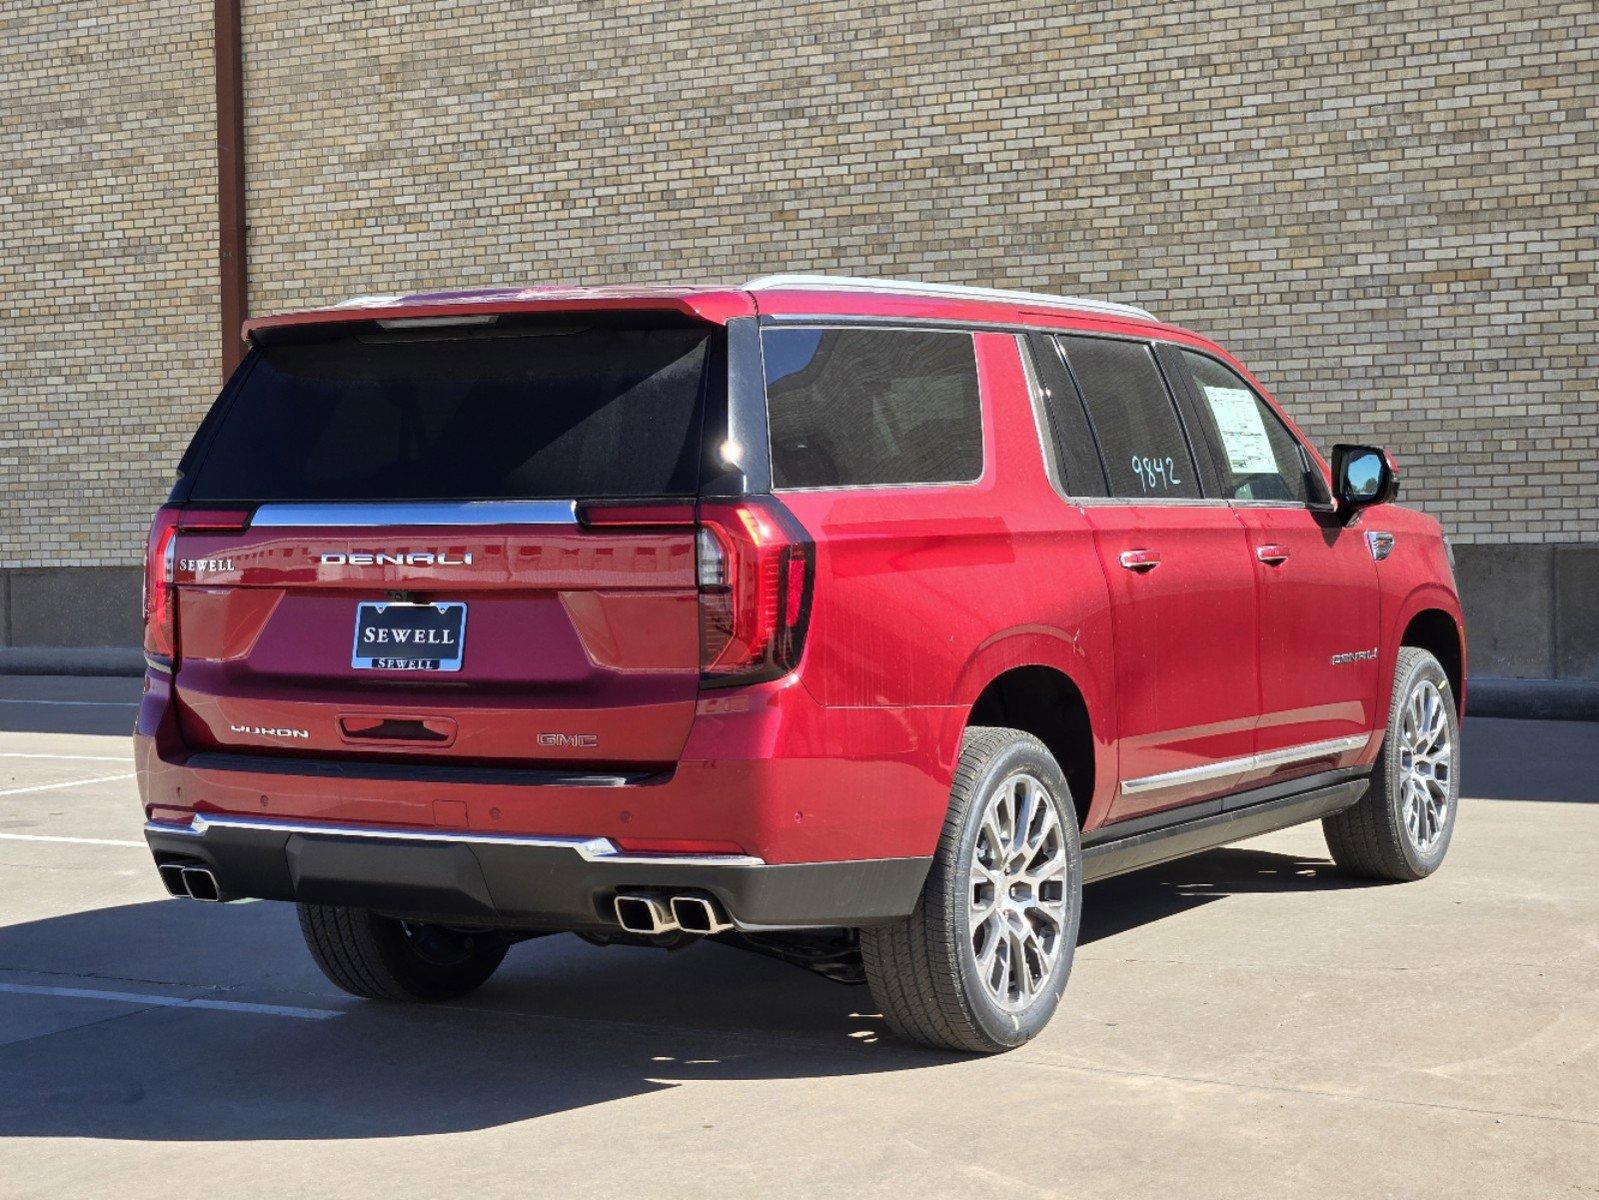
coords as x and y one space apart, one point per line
594 849
1248 762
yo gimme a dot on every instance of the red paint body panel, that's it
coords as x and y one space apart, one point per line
922 597
572 631
1185 632
1318 604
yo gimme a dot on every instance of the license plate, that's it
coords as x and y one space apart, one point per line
394 636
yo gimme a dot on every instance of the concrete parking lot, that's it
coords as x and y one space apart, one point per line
1246 1023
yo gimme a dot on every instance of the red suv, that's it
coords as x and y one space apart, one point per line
854 622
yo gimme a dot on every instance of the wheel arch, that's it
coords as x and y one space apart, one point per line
1046 702
1438 631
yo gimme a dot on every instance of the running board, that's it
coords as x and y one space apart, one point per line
1117 855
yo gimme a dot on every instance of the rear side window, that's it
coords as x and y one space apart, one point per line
857 407
531 413
1141 440
1257 459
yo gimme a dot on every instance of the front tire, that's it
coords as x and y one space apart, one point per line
1400 829
981 962
381 958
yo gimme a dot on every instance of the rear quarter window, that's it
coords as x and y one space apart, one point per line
865 407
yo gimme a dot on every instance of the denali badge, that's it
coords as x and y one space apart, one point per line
269 731
398 558
1353 656
584 741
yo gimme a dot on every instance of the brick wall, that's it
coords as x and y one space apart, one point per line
1388 210
107 269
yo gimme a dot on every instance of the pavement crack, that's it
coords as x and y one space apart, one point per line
1320 1093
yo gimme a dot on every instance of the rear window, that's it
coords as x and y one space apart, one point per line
858 407
1141 440
530 413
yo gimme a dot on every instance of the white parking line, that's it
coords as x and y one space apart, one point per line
79 703
77 841
120 758
157 1001
71 783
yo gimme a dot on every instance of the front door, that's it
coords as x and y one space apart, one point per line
1315 578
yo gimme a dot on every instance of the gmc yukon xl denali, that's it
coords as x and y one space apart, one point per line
852 622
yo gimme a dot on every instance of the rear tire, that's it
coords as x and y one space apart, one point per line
1400 829
381 958
981 962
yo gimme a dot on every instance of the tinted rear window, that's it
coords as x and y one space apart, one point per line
529 414
857 407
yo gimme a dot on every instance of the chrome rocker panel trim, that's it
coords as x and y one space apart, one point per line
1248 762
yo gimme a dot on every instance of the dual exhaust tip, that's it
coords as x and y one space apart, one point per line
197 883
650 914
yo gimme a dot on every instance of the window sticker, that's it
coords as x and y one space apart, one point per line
1243 433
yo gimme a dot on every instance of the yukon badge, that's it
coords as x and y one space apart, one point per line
273 731
399 558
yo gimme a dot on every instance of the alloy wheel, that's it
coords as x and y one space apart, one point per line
1426 765
1018 892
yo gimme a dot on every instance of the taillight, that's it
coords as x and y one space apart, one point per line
756 567
160 596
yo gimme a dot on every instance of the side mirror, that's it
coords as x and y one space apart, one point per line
1362 476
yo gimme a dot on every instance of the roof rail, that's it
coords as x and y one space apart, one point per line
954 291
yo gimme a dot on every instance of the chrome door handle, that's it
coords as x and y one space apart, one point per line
1274 555
1139 560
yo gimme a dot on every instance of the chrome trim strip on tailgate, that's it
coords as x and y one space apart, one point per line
1248 762
594 849
376 514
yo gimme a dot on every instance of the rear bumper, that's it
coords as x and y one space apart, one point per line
524 882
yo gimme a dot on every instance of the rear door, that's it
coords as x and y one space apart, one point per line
1182 592
467 544
1316 577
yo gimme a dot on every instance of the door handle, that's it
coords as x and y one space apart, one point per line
1141 561
1275 555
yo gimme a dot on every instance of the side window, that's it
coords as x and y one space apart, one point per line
1069 451
1257 458
1140 437
857 407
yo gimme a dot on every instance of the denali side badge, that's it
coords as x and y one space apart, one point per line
1353 656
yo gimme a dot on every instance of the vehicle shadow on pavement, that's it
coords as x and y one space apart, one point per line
1128 901
564 1024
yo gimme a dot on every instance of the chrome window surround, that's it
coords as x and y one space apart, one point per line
836 320
373 514
592 849
1283 757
